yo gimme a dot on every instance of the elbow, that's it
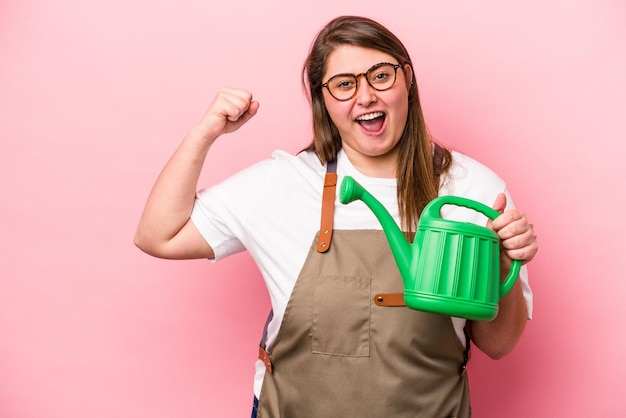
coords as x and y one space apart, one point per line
497 353
143 243
496 342
499 347
139 243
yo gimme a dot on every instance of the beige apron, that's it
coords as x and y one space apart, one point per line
346 348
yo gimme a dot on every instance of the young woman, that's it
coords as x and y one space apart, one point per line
329 349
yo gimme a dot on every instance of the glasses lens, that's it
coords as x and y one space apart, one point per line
381 76
342 86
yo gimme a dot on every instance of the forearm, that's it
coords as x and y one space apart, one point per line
498 337
172 197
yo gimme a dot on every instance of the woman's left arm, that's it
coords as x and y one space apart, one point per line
497 338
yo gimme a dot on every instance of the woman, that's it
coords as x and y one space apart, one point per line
329 349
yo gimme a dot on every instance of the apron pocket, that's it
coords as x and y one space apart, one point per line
341 316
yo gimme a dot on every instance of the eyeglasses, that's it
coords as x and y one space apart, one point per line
381 77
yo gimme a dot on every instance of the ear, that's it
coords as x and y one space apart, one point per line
408 75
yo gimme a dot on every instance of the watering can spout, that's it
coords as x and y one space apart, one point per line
350 191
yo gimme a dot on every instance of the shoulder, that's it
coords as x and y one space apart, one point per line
305 162
468 176
281 168
464 166
281 162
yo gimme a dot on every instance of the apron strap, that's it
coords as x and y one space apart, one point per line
466 353
263 356
328 207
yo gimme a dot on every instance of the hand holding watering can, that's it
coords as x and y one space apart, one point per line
451 268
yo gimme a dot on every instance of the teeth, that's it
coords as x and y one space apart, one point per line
370 116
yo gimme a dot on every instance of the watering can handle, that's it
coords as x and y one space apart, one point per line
433 210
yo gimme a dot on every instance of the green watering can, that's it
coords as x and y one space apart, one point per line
452 268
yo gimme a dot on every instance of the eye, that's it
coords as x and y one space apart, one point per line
380 76
343 83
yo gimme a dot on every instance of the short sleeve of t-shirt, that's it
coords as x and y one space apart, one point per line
220 215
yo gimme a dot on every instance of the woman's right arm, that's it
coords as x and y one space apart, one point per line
165 229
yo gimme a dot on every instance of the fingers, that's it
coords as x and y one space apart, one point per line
509 223
235 104
248 114
500 204
517 235
521 247
230 109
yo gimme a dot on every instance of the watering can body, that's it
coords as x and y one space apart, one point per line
451 268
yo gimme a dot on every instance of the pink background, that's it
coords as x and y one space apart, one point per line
95 96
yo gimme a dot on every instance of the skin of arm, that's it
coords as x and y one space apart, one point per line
164 229
498 337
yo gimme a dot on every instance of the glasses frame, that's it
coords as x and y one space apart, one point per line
365 74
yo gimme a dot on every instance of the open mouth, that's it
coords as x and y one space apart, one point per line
372 122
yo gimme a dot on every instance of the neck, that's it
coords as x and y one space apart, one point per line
380 166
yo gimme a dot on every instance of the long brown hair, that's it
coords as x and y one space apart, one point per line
419 168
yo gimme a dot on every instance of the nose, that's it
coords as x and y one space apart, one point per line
365 94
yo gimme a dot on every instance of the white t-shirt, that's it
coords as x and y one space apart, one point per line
272 209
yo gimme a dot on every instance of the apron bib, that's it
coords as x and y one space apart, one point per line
347 347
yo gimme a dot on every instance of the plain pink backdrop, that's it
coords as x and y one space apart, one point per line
95 96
